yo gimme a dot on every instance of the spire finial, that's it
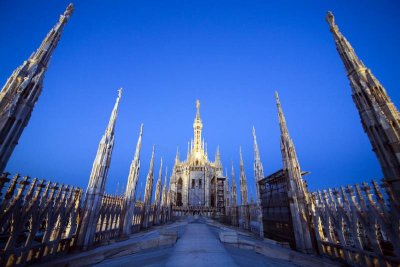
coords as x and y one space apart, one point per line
152 159
114 114
198 105
166 176
160 171
256 150
277 98
141 129
67 13
330 19
138 146
69 10
241 157
254 136
177 155
197 109
348 55
281 116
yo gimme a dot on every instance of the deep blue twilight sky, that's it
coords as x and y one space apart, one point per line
232 55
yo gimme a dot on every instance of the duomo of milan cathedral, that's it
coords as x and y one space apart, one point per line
357 225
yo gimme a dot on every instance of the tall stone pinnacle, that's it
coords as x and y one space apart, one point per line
218 163
289 156
131 187
234 188
101 163
218 157
258 168
227 193
346 51
177 156
158 187
243 182
149 181
258 175
23 88
197 127
164 192
297 193
379 116
148 192
98 178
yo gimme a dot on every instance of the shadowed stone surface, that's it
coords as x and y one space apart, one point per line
199 247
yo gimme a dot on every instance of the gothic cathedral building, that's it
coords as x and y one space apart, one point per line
197 184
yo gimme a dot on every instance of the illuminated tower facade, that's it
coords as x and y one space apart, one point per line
196 181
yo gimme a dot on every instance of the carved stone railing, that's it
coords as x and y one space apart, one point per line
109 218
182 211
243 216
137 217
38 219
358 225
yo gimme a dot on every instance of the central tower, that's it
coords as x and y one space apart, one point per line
197 127
196 182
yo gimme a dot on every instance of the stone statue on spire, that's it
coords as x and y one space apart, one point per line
198 105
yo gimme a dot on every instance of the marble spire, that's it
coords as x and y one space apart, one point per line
23 88
177 156
379 116
149 181
227 193
164 192
258 175
98 178
243 181
218 163
258 167
197 127
148 192
297 192
157 201
234 188
129 198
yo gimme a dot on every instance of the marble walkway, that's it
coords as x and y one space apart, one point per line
192 242
199 247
